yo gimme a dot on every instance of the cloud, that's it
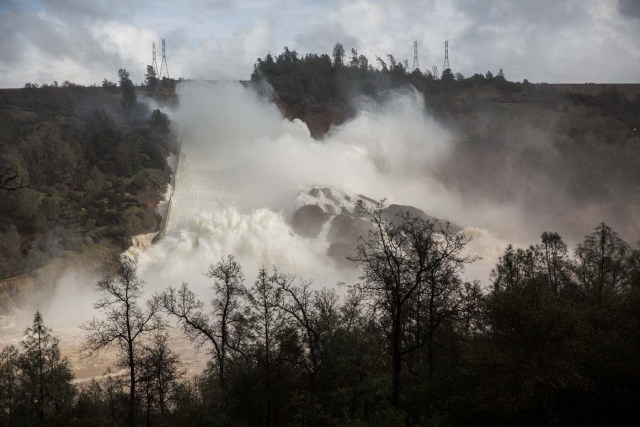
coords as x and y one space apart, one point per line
248 45
545 40
323 36
629 8
66 42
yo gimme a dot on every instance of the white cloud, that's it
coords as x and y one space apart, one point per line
545 40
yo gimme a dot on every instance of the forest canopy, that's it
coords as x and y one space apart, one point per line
81 167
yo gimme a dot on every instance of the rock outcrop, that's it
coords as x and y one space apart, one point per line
346 219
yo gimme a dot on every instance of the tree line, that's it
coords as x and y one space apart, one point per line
313 83
552 341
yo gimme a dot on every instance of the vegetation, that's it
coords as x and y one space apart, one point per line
320 82
79 166
35 381
125 323
553 342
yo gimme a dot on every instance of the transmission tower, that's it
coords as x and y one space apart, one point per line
164 68
446 57
416 65
154 63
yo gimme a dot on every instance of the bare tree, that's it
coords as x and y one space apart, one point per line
217 328
158 373
265 299
314 314
125 322
410 273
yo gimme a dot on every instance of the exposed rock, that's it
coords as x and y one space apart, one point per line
308 220
318 121
347 228
342 253
315 206
344 236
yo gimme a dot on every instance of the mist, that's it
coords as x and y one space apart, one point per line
244 169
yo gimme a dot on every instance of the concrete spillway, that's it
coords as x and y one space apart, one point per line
164 207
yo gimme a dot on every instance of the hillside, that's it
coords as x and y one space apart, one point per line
82 168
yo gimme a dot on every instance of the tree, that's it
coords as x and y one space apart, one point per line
96 183
28 203
447 75
109 85
363 63
354 62
338 55
9 358
554 253
38 340
159 121
382 64
158 373
50 208
300 305
218 328
514 267
265 299
10 250
125 322
529 330
13 172
45 376
123 77
127 89
150 78
434 72
546 263
601 264
410 263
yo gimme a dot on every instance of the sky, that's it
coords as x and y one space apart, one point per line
85 41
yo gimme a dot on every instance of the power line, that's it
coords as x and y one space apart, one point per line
416 65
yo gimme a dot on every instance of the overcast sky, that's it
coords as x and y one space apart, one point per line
85 41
